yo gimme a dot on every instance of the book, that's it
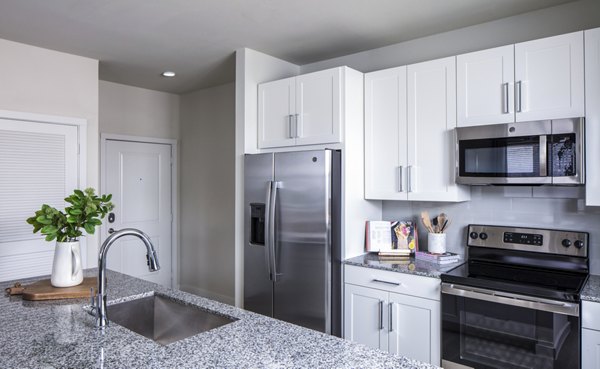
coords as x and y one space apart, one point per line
391 237
445 257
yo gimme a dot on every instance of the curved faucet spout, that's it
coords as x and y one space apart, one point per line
153 265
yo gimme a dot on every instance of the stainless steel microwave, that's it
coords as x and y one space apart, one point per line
546 152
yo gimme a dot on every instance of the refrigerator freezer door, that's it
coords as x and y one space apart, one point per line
303 237
258 287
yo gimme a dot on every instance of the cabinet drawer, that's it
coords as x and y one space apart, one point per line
407 284
590 315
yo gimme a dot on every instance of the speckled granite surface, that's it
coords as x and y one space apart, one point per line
60 334
411 266
591 291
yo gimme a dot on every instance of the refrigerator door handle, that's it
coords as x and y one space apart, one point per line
268 229
271 235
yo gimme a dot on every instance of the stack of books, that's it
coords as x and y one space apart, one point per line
445 258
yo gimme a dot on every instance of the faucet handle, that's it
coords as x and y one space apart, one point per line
93 300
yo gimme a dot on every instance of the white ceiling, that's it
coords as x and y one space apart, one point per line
135 40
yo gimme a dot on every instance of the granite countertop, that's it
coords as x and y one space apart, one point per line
591 291
409 266
60 333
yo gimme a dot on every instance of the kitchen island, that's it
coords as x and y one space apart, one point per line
61 333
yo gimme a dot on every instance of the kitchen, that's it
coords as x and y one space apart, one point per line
217 272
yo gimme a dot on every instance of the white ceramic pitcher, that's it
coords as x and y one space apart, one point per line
66 269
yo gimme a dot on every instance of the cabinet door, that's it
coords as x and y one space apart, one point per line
364 316
276 106
318 107
590 349
485 87
431 123
385 134
549 78
414 327
592 115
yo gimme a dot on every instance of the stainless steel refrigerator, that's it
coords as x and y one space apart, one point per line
292 237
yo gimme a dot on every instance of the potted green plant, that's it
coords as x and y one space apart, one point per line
84 213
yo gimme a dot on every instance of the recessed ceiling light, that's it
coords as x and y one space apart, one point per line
168 74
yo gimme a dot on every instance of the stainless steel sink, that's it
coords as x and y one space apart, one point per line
164 320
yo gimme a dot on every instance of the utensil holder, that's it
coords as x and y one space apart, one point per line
436 243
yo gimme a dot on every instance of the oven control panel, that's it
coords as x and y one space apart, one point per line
549 241
524 238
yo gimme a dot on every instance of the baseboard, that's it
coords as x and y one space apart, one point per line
209 295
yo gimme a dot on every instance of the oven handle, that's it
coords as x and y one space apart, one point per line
505 298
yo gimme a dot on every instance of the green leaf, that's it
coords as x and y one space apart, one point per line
71 219
95 221
75 211
79 194
89 228
42 219
50 237
108 197
49 229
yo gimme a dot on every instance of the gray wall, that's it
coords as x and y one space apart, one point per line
136 111
570 17
207 213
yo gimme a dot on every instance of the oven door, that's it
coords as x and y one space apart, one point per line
488 329
504 154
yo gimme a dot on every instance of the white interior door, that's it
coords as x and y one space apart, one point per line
38 165
138 175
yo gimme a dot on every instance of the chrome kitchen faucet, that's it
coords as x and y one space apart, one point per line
99 306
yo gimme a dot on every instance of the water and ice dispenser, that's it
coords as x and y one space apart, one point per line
257 224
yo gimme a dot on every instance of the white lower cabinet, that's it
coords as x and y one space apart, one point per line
590 335
394 312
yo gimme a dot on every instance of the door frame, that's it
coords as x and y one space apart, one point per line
104 137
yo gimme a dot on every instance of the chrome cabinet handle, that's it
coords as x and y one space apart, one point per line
290 131
297 129
380 314
409 174
390 317
505 107
387 282
518 96
400 185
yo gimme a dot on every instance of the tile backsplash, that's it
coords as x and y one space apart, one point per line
540 207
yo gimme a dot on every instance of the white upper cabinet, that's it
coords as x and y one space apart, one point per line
485 90
318 107
534 80
549 78
302 110
431 121
592 115
276 106
385 134
410 114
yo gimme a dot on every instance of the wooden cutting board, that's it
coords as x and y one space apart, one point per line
43 290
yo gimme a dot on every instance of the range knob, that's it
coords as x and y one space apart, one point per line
473 235
483 236
566 242
578 244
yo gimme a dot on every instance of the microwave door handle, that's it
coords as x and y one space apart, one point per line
543 156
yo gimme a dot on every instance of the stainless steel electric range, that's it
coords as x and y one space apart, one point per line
515 302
